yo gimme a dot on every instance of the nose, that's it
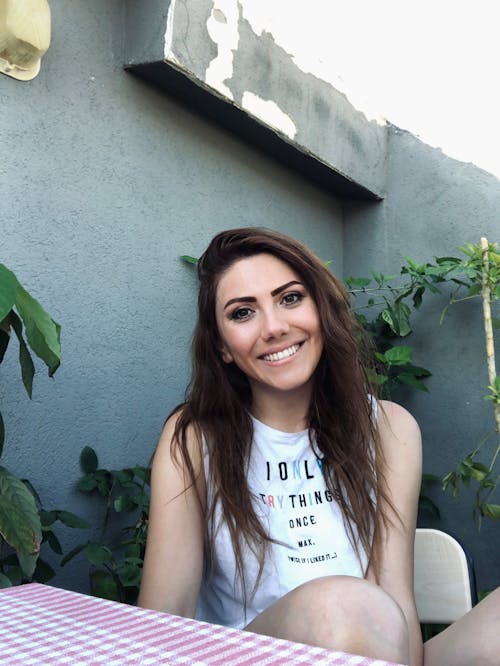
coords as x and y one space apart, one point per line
274 323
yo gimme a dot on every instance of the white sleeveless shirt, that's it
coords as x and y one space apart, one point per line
294 505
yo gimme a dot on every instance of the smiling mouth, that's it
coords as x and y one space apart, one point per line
279 356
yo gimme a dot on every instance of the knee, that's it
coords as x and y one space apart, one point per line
355 615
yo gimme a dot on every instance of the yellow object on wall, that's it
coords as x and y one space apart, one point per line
24 37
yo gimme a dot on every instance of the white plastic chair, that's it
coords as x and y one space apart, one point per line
444 581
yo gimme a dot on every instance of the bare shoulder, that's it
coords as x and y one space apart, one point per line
168 449
401 445
397 425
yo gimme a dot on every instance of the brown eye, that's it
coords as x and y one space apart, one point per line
241 313
292 298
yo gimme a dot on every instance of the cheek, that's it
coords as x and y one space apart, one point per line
311 321
237 343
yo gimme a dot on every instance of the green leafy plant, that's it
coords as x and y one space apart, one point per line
383 305
474 275
480 277
21 528
115 559
425 503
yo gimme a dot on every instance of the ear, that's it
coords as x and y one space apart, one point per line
226 356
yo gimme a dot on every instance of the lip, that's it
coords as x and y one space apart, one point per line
278 350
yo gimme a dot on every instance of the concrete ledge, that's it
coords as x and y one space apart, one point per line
245 82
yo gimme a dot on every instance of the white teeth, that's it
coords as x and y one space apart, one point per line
278 356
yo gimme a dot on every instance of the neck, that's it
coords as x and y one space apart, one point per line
284 411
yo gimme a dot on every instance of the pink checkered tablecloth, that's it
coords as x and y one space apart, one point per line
41 625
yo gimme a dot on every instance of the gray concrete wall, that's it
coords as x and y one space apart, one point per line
104 183
434 204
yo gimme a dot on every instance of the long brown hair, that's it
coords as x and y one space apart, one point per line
341 418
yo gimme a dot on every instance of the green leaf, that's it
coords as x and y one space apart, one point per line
71 520
103 585
426 504
474 290
25 360
47 518
377 379
431 287
98 554
19 519
429 478
32 490
129 575
88 460
141 500
134 560
479 471
362 282
417 297
451 479
398 355
73 553
188 259
15 573
124 503
27 563
143 473
124 476
495 322
2 434
411 380
4 343
43 571
42 332
8 290
418 371
448 262
397 316
133 550
53 541
491 511
87 483
4 581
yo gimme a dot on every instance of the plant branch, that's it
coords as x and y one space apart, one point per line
488 326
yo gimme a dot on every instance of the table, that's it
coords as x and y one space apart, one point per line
40 624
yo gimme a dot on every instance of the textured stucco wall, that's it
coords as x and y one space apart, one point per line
434 204
104 182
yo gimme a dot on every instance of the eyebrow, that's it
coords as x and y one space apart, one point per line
252 299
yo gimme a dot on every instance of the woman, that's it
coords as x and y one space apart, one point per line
283 494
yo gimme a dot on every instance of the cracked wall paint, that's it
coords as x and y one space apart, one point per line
214 43
222 27
270 113
294 37
169 31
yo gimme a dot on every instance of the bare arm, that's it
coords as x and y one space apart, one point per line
174 552
402 448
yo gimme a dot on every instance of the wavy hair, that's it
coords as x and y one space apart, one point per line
341 419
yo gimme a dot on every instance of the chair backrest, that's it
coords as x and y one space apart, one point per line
444 580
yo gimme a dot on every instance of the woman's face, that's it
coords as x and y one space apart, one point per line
268 324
